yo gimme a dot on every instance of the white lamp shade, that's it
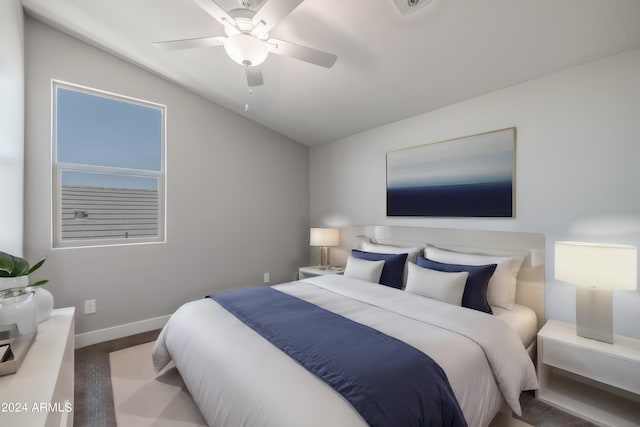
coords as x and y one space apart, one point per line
246 49
324 237
603 266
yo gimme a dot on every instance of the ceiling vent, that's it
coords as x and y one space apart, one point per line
409 6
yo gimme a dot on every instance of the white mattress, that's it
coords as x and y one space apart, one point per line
237 378
522 320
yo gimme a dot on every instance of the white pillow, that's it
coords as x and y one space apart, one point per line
502 284
440 285
364 269
412 253
388 249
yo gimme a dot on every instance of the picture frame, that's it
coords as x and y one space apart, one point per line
468 177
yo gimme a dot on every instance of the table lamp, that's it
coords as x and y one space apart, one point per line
597 269
324 237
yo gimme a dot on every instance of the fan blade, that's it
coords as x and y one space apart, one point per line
254 76
216 12
190 43
272 12
303 53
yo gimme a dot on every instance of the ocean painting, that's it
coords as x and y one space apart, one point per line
471 176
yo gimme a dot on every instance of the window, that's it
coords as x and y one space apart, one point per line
108 168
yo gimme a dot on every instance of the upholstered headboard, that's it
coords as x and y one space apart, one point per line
530 280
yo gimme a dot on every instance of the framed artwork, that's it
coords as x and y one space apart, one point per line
472 176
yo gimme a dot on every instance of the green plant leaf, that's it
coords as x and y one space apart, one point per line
20 267
37 266
39 283
13 266
6 263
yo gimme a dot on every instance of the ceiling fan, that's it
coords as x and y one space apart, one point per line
247 40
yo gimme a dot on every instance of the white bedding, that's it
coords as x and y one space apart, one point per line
522 320
238 378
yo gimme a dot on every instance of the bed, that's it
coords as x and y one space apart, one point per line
523 321
237 378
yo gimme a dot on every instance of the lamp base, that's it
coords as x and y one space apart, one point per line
325 257
594 314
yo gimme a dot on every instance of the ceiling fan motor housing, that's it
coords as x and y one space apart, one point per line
251 4
409 6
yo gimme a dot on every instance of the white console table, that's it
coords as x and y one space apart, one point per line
41 392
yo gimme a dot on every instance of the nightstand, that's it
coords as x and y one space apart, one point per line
316 270
590 379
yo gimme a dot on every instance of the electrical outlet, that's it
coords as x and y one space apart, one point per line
267 277
90 306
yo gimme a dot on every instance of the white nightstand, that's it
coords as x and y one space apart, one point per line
591 379
316 270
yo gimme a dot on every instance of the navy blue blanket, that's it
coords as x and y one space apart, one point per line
389 382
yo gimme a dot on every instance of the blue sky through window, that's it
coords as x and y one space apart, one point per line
100 131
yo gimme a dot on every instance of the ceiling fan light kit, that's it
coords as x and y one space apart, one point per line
246 49
247 42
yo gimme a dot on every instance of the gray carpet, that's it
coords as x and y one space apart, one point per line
540 414
94 395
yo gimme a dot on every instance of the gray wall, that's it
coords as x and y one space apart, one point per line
237 195
11 125
577 166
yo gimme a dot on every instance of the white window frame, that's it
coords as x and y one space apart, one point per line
59 167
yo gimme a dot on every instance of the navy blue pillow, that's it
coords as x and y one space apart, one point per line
475 290
393 270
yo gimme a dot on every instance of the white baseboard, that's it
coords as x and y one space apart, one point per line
107 334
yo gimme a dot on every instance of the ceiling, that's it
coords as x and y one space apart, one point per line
390 66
